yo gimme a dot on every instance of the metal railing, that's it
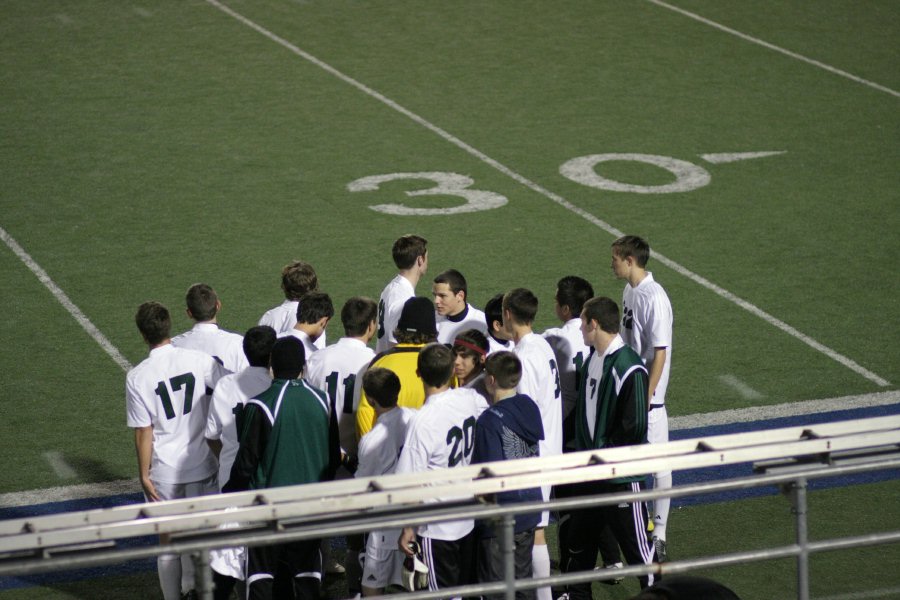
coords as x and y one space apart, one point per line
788 457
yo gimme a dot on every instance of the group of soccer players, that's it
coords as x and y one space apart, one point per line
447 385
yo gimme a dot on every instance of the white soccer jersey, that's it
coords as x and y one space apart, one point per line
571 352
379 451
283 318
449 327
168 391
228 399
647 324
308 346
338 369
495 346
390 305
540 382
441 435
224 346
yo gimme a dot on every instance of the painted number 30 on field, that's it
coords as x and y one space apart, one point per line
583 169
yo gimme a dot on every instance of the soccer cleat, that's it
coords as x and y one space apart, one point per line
614 580
564 596
662 554
191 595
333 567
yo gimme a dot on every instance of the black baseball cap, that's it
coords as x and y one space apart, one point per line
418 316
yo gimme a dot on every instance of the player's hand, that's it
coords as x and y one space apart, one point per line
149 490
406 536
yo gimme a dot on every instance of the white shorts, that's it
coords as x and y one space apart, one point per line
382 567
175 491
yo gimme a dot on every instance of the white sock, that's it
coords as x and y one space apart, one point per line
169 567
662 481
187 573
540 567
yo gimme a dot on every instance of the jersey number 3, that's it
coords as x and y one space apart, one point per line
186 381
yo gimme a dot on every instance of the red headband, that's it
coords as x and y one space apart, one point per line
469 345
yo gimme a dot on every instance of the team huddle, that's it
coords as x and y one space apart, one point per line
447 385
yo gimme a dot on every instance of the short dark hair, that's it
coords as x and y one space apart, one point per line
505 367
258 342
522 304
573 292
407 249
435 364
493 311
154 322
202 301
298 278
455 280
314 306
465 342
356 315
633 246
288 358
604 311
382 386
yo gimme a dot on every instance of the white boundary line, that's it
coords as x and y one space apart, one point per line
765 44
725 417
845 361
63 299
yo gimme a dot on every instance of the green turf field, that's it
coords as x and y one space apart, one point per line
147 146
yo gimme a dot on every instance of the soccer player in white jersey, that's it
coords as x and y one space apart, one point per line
540 382
410 254
167 404
338 368
379 451
222 433
203 306
571 353
440 436
493 318
297 278
454 314
313 313
647 327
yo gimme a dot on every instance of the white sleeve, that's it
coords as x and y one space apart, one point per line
136 411
214 424
659 319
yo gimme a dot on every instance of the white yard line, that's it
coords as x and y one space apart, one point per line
765 44
59 465
790 409
843 360
63 299
746 392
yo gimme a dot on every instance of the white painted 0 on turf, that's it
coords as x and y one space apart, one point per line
725 417
63 299
840 358
779 49
688 176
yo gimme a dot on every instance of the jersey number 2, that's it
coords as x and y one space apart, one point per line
462 440
186 381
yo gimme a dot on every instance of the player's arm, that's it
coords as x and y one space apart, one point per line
633 402
143 444
656 369
254 438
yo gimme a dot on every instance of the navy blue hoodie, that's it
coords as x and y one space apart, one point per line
508 430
